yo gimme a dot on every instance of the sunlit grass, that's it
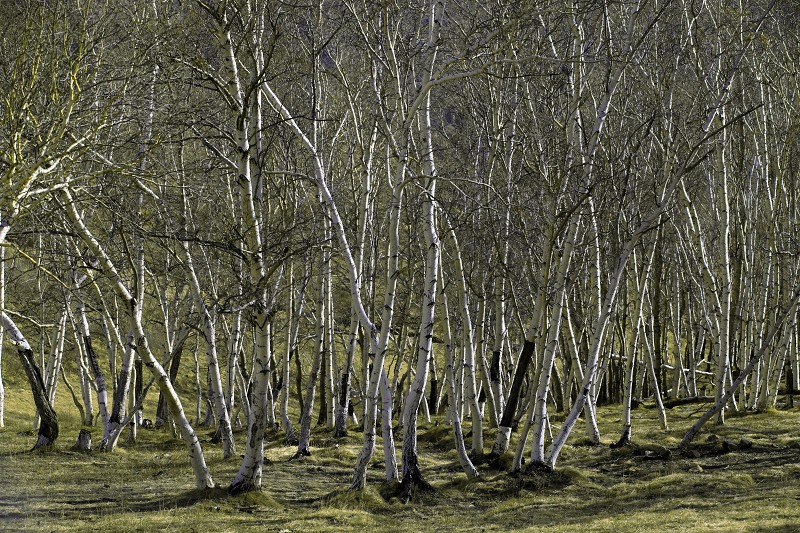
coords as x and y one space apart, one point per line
740 476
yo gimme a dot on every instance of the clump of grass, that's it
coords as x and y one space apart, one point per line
367 499
501 462
575 475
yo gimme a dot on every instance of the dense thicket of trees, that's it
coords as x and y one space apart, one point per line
386 210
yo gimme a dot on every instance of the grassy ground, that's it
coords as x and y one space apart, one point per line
740 477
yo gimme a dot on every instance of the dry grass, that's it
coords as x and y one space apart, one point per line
739 477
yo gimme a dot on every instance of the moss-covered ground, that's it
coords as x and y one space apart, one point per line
739 477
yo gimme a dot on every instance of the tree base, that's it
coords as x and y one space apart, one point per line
624 440
84 442
479 458
240 487
413 486
305 452
43 443
539 467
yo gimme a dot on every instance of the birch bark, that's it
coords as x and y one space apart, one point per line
202 476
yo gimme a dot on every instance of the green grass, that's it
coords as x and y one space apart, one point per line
148 486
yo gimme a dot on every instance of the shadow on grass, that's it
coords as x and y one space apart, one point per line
246 502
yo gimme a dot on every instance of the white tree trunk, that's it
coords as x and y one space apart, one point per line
468 343
250 471
551 346
202 476
455 418
293 321
224 427
411 473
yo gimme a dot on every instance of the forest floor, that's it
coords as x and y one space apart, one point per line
743 476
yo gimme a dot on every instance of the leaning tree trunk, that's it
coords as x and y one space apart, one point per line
540 418
48 426
202 476
790 313
224 429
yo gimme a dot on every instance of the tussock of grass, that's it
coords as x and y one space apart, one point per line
367 499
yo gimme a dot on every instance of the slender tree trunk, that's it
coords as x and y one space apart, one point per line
121 392
293 321
592 431
330 359
637 327
250 471
224 428
53 368
83 374
469 345
48 427
102 393
340 427
412 475
323 268
387 433
455 418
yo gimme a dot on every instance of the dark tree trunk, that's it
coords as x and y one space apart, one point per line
298 376
137 387
98 373
174 364
516 386
323 394
345 408
434 395
48 425
84 442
